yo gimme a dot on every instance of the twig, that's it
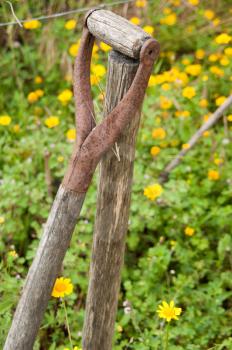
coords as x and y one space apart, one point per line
13 13
208 124
48 175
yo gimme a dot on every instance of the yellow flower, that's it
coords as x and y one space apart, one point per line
203 103
70 24
168 311
94 80
39 92
98 70
220 100
206 117
223 38
65 96
224 61
217 71
32 97
105 47
206 133
189 92
158 133
185 146
33 24
218 161
213 175
71 134
38 79
2 220
60 159
16 128
152 81
205 78
141 3
165 87
62 287
193 2
209 14
170 20
229 117
200 54
193 69
135 20
228 51
216 22
148 29
13 253
51 122
5 120
214 57
165 103
185 61
189 231
153 191
155 150
73 49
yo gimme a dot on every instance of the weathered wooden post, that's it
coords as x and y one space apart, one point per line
113 203
92 143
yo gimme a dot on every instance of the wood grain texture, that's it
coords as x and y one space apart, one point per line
44 270
112 216
117 32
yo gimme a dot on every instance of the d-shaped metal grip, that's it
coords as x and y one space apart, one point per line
93 141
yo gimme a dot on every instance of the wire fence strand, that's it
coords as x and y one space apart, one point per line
66 13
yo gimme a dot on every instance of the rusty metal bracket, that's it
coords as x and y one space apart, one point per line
93 141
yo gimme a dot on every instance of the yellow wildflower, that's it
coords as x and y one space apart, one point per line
209 14
220 100
217 71
94 80
203 103
165 87
158 133
213 175
185 146
214 57
71 134
228 51
189 92
189 231
38 79
13 253
155 150
185 61
168 311
153 191
193 69
165 103
200 54
193 2
51 122
65 96
105 47
5 120
141 3
60 159
39 92
206 133
216 22
223 38
152 81
148 29
70 24
229 117
73 49
182 114
2 220
32 97
205 78
135 20
98 70
16 128
62 287
170 20
218 161
224 61
33 24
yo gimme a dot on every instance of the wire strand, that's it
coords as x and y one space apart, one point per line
65 13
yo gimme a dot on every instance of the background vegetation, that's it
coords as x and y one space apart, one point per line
179 245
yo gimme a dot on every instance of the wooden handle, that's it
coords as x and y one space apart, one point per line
117 32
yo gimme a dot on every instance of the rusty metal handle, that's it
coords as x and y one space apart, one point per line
93 142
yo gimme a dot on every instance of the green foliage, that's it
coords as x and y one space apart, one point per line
161 261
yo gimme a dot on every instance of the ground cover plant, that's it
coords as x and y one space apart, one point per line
179 245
